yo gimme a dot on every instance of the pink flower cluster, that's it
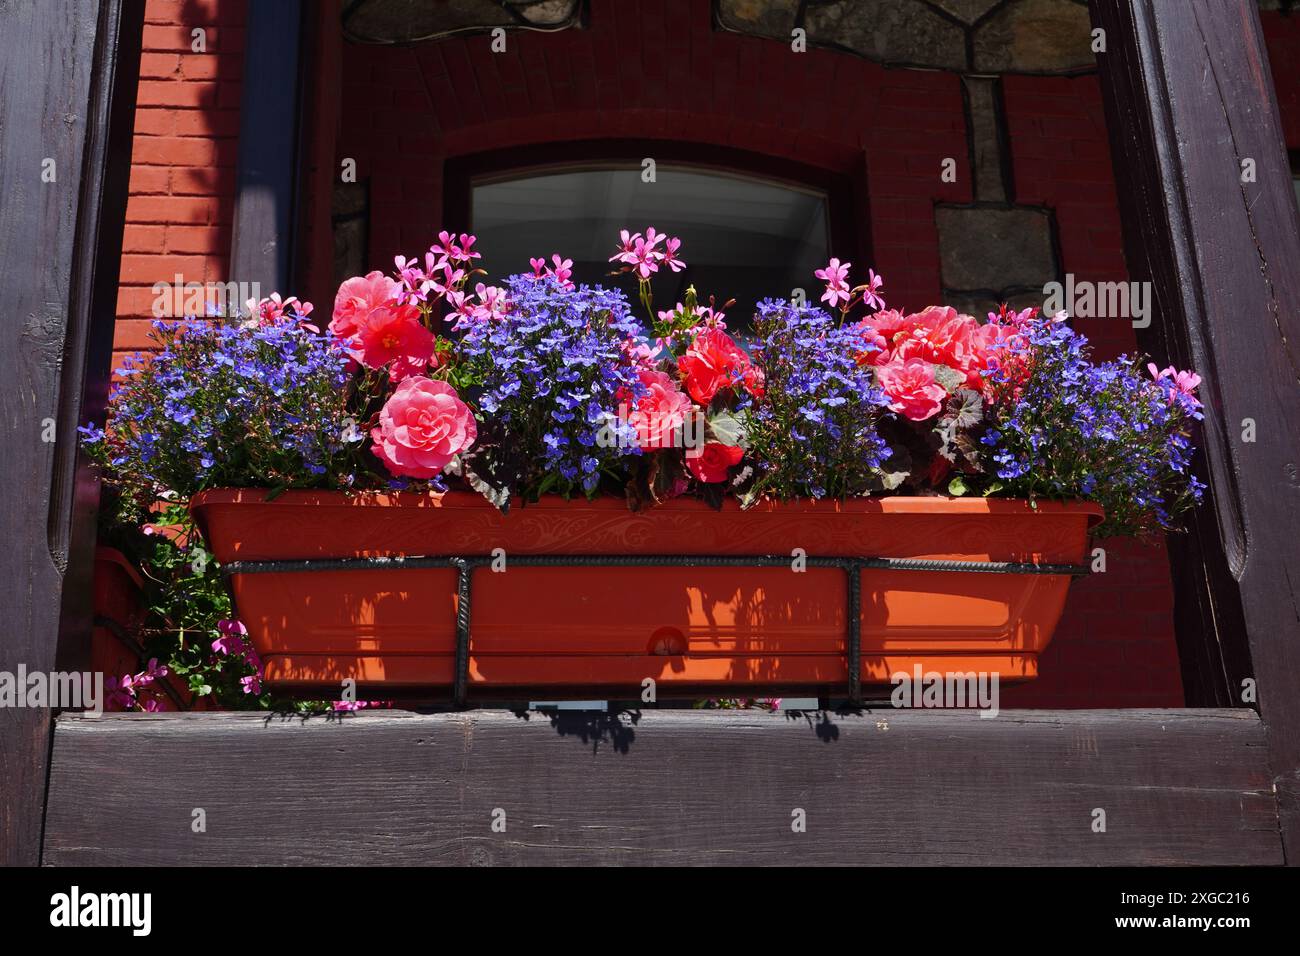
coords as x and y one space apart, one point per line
382 327
348 706
232 641
1177 382
713 365
444 268
134 690
641 255
908 349
561 268
838 294
386 322
273 311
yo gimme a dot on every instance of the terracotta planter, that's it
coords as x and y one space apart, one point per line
606 629
119 612
119 609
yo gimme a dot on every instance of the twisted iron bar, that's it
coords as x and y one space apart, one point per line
466 565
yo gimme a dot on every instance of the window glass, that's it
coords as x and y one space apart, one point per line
742 238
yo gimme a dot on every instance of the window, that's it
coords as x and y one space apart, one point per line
743 237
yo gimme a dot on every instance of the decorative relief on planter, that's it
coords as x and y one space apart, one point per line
402 21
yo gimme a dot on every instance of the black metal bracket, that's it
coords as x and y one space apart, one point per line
466 565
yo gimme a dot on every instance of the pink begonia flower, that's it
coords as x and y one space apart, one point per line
661 412
395 336
422 427
712 362
836 288
954 341
711 463
911 388
357 297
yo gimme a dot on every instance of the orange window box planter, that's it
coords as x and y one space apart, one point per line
318 615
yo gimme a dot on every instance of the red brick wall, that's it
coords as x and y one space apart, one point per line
1115 646
1282 37
183 161
407 109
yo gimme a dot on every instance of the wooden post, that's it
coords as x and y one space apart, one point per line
1210 220
68 70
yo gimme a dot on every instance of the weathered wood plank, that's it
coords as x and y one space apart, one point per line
62 190
683 787
1211 221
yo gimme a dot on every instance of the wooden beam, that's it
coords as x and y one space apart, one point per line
1211 221
63 90
663 787
261 248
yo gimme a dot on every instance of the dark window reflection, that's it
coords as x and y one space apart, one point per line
742 238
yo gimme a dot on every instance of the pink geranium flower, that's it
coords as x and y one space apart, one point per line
413 281
911 388
493 302
871 291
273 311
422 427
232 638
834 275
1177 382
563 270
643 256
670 258
627 242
